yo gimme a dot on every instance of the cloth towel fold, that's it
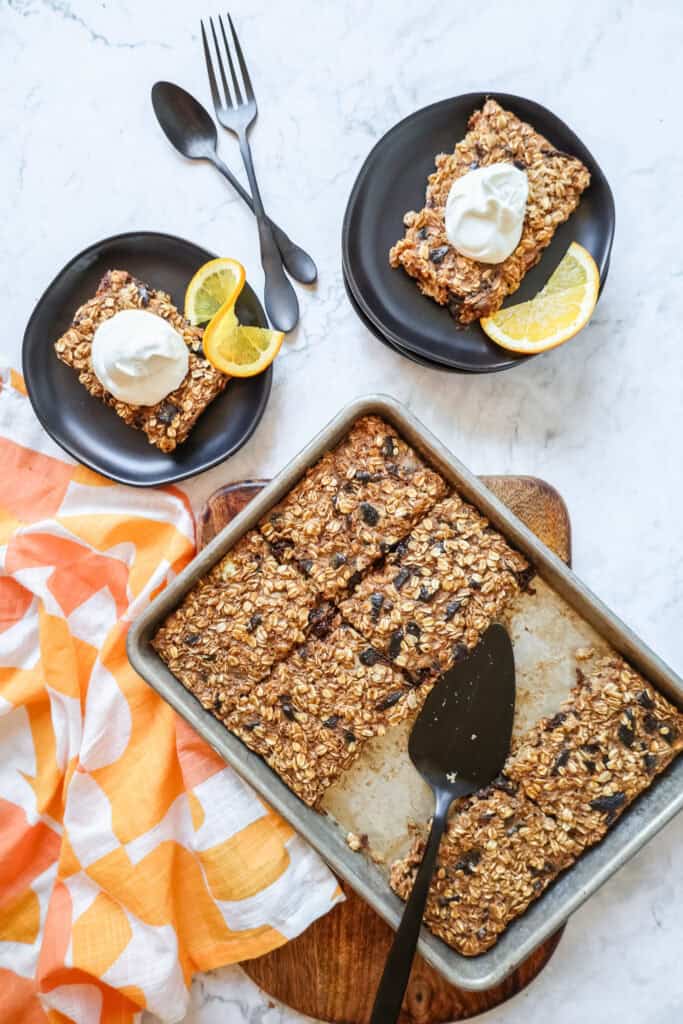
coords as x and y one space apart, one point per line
131 856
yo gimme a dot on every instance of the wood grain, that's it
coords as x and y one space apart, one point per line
331 972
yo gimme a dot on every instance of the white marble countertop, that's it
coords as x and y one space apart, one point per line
600 418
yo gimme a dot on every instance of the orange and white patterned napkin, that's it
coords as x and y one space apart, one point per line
131 856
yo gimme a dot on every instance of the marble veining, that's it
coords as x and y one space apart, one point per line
600 418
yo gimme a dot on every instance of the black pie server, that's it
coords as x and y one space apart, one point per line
458 744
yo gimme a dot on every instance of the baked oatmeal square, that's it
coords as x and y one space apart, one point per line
498 854
352 507
228 632
587 763
306 753
168 423
469 288
347 684
438 591
294 525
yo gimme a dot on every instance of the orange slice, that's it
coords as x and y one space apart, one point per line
216 283
237 350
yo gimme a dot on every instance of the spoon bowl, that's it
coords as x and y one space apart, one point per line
188 126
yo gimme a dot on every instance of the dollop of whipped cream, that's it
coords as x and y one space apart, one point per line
485 212
139 357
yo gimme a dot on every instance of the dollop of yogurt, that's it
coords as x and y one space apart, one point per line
485 212
138 357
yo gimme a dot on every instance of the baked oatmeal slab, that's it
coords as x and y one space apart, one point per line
438 590
168 423
248 612
306 753
348 684
588 762
354 505
556 180
566 784
498 854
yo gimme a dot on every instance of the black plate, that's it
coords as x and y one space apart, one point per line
85 427
375 331
393 179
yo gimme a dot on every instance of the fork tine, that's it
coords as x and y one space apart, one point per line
224 80
248 91
215 95
235 81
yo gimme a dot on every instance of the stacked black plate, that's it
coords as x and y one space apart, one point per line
393 179
88 429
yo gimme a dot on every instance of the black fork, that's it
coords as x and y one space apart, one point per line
235 106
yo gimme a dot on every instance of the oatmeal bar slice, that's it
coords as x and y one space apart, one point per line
438 591
307 754
499 853
556 180
247 613
168 423
347 684
294 526
585 764
352 506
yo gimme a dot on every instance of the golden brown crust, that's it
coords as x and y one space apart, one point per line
347 684
307 755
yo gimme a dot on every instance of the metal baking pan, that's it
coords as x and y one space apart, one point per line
637 825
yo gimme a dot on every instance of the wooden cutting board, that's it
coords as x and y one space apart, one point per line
331 972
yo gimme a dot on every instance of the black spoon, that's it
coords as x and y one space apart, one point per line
458 744
190 128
